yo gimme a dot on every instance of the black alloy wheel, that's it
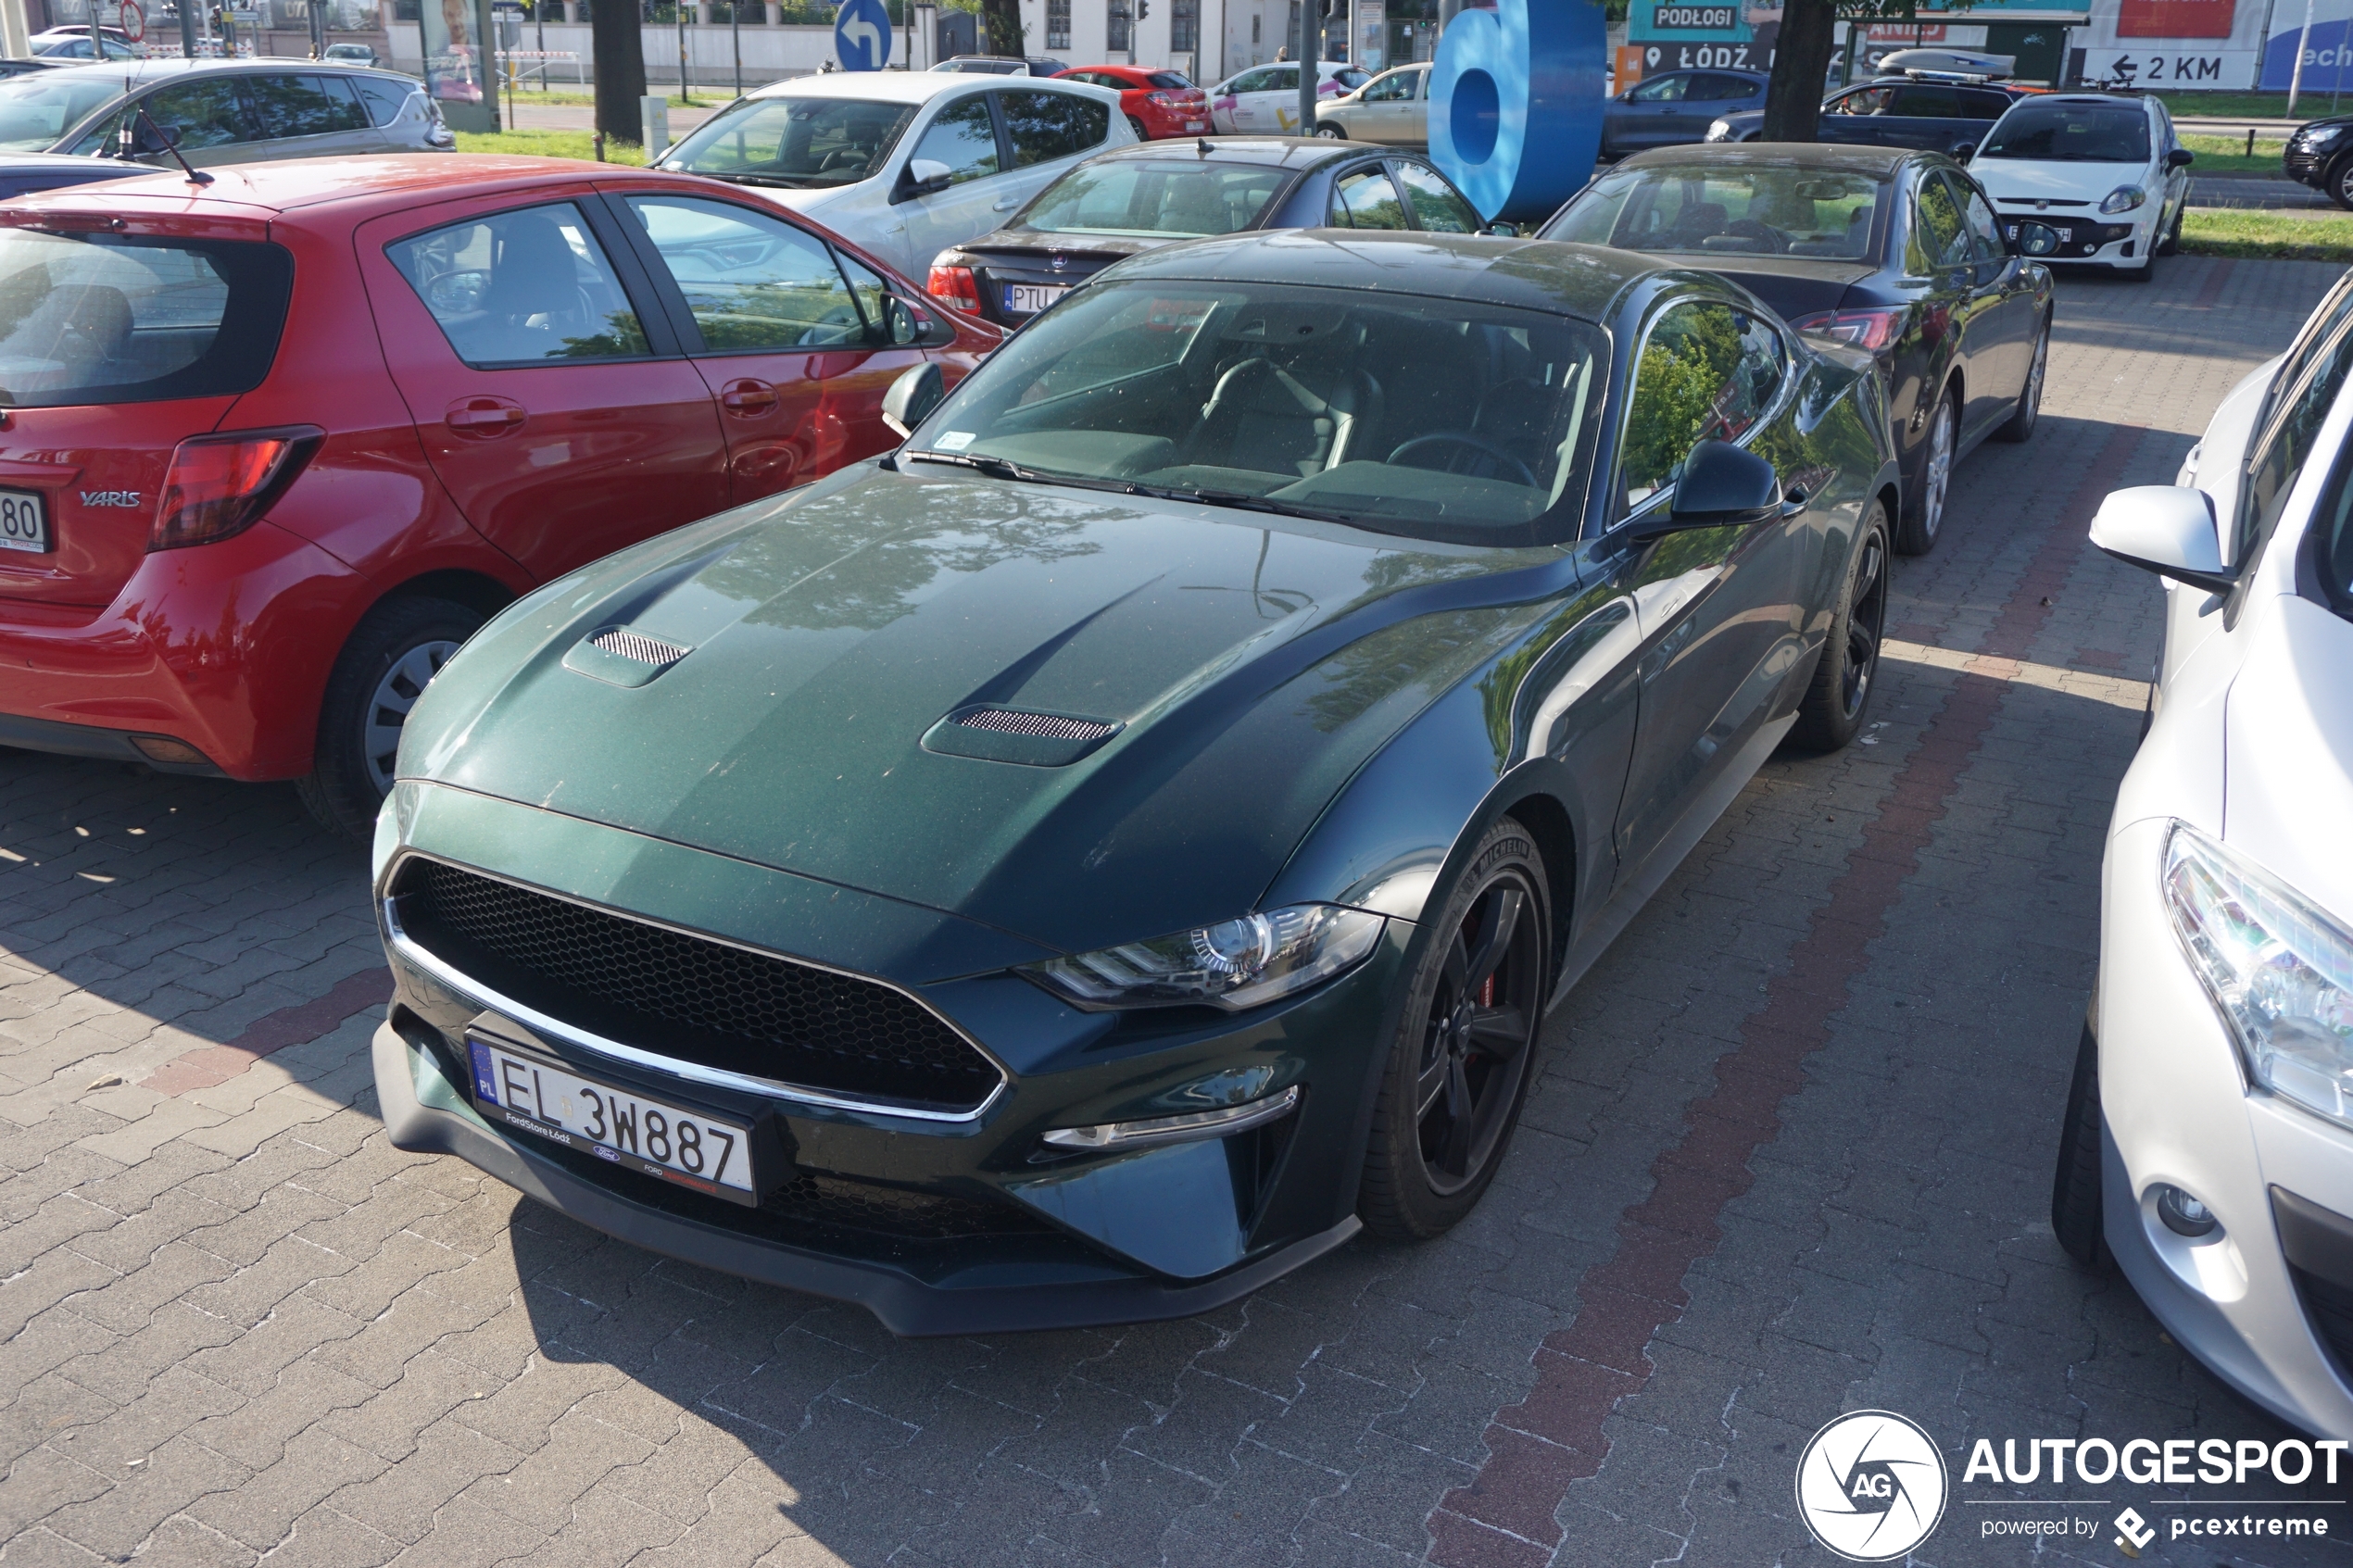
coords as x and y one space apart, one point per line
1459 1068
2019 426
1831 711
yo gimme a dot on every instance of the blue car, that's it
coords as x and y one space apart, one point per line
23 173
1676 107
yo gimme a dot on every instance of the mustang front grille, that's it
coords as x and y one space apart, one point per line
690 998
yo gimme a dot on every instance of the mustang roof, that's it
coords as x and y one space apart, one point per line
1568 280
1839 157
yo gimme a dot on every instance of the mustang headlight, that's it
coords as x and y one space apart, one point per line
1234 964
2280 971
1720 130
2125 198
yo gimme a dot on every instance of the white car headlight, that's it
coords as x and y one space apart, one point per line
1719 130
1234 964
2279 971
2125 198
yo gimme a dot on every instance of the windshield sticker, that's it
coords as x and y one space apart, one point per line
953 441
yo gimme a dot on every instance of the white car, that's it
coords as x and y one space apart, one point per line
2104 169
1393 108
906 163
1265 98
2208 1141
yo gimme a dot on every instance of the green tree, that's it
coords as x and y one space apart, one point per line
620 68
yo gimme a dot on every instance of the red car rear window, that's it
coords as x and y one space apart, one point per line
109 318
1169 78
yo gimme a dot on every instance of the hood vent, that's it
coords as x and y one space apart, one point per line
620 657
1052 726
638 646
995 733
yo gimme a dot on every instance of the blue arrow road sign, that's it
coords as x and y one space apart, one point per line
862 35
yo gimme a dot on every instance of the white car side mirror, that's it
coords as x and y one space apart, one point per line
928 174
2166 529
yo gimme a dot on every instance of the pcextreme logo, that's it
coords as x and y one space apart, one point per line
1870 1485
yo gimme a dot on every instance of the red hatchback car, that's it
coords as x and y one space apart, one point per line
271 448
1159 104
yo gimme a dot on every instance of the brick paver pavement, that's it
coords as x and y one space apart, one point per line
1789 1154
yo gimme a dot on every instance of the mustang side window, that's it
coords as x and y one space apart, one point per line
521 287
1706 373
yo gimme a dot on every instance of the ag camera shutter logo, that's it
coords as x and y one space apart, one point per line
1871 1486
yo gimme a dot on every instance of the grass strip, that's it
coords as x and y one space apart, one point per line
549 144
2267 236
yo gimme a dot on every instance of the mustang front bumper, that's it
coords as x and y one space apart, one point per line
941 1220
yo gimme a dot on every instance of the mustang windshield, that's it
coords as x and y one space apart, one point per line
795 142
1712 208
1435 419
2065 132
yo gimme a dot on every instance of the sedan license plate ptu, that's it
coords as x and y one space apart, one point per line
24 521
654 1137
1028 300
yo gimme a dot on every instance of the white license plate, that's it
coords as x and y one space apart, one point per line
24 521
620 1125
1028 300
1196 125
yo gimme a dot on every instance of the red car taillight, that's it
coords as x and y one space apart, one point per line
956 286
1162 99
219 485
1871 329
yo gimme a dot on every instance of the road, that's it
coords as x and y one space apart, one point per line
1789 1154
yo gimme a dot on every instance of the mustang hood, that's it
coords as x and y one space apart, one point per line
783 666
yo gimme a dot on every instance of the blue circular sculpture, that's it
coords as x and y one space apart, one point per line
1516 104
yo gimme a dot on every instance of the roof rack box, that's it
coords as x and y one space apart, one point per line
1948 62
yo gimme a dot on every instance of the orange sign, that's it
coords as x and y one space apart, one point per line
2175 19
1629 65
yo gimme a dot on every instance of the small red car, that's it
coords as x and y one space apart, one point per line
1159 104
271 448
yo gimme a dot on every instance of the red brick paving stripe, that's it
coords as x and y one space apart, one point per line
1505 1517
2211 290
297 1025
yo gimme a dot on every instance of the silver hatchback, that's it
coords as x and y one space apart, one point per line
220 112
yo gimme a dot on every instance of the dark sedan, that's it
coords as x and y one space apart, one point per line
1126 843
1940 116
22 173
1675 107
1892 251
2320 153
1138 198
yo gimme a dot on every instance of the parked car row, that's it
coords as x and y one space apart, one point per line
1012 830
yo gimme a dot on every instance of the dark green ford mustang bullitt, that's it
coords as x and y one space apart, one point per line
1107 853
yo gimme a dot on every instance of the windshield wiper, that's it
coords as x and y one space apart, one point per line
781 181
1241 500
1002 468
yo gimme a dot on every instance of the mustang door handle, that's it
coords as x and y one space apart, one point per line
485 416
748 396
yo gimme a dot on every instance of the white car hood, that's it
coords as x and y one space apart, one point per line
2288 752
2022 179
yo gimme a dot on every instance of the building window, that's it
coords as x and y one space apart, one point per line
1184 26
1117 34
1057 24
1253 29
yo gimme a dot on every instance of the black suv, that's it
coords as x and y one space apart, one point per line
2320 153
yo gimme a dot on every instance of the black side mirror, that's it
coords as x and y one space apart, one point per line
2028 238
1724 487
142 137
2180 157
1503 230
1965 152
913 397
